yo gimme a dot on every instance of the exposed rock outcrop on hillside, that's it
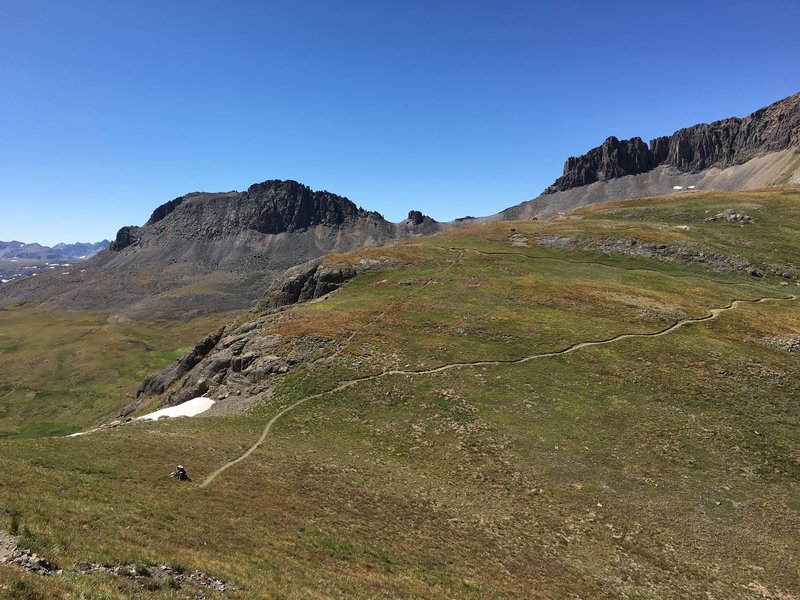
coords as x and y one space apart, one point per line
614 158
159 382
720 144
126 236
241 359
304 283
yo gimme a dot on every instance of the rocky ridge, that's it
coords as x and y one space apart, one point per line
269 208
721 144
215 252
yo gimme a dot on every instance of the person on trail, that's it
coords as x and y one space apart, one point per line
180 473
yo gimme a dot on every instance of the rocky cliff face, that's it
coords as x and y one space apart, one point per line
720 144
126 236
268 208
613 159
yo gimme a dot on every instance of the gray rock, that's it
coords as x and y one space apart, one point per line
159 382
731 216
126 236
720 144
306 282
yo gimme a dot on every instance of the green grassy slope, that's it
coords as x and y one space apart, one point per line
663 467
63 372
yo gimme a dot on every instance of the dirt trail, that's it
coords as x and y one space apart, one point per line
713 314
340 387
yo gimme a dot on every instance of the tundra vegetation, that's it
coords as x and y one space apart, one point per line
658 467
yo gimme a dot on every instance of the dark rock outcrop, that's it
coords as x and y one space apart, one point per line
614 158
126 236
305 283
243 359
270 207
720 144
165 209
418 223
291 206
415 217
158 382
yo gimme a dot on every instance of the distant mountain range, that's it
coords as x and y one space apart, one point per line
21 251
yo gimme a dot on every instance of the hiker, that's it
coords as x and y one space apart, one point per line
180 473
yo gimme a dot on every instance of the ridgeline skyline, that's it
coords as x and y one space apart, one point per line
461 108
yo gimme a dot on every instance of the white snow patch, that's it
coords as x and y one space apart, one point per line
677 187
190 408
4 280
691 187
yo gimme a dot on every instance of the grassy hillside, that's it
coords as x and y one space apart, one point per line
62 372
646 467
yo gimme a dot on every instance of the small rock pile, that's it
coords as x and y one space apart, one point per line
24 558
518 241
32 562
787 344
731 216
144 573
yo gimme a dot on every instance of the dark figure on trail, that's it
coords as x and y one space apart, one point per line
180 473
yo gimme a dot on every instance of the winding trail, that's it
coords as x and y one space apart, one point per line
713 314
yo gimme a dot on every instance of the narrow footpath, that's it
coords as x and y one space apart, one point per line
713 314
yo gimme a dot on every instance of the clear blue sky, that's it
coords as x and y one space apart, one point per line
452 107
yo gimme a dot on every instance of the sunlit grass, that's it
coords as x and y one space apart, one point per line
657 467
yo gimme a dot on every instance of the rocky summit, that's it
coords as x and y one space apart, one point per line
270 208
209 252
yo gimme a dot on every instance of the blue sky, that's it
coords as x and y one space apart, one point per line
452 107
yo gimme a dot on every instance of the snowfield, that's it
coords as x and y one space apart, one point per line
190 408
